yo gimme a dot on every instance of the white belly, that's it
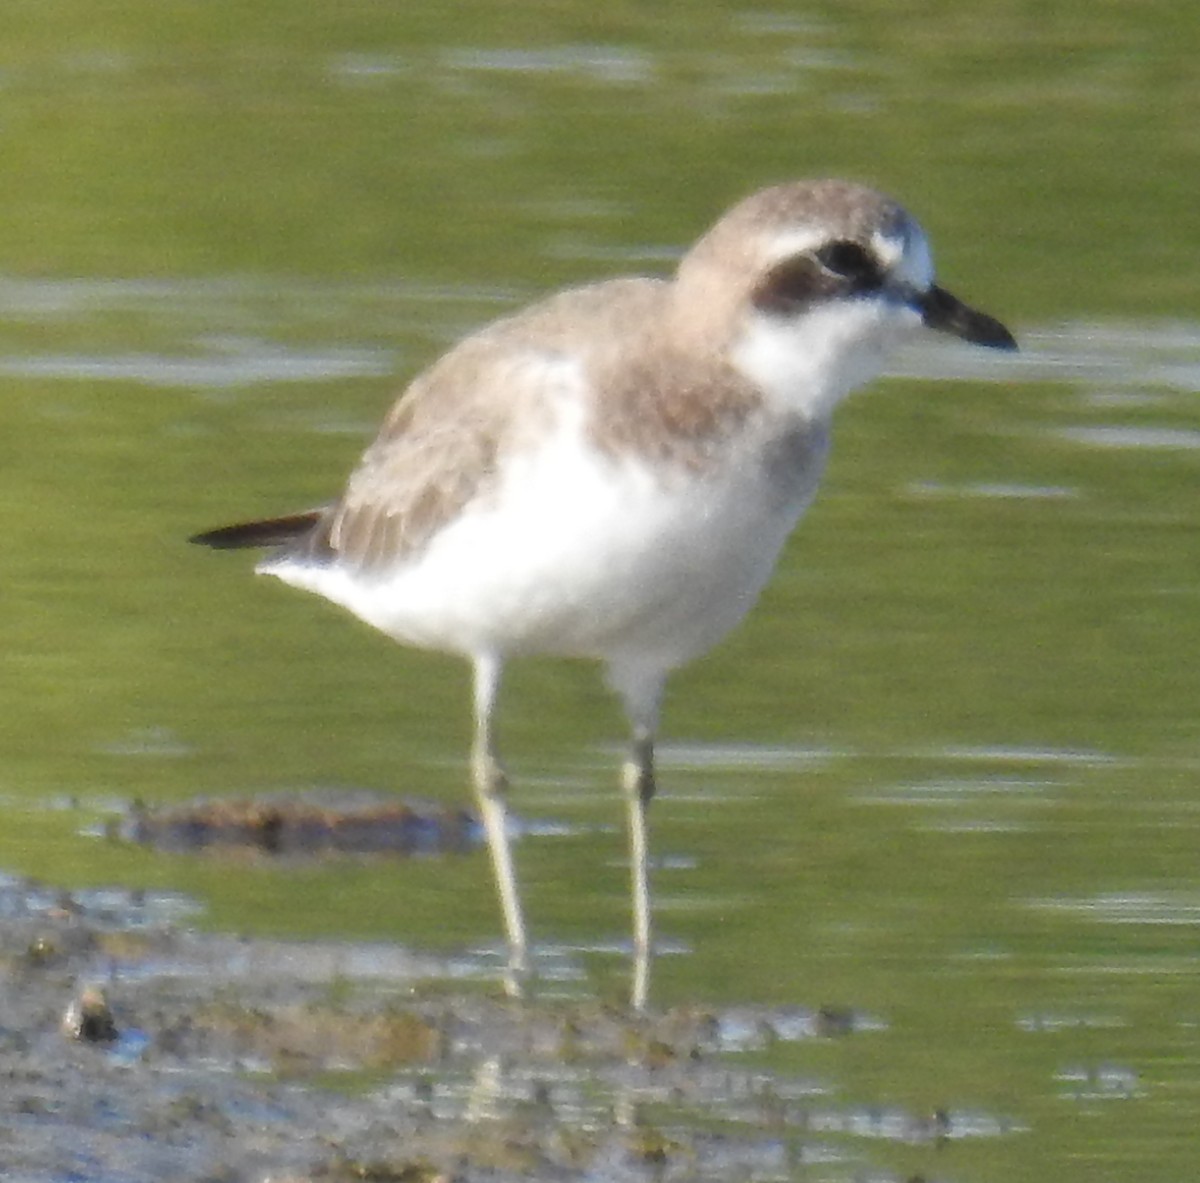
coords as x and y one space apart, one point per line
580 554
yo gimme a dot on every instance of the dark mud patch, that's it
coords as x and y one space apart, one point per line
301 825
220 1059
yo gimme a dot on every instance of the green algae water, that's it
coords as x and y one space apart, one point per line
947 773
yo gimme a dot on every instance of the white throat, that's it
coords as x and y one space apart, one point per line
807 365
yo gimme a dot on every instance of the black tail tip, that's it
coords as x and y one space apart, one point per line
218 539
270 532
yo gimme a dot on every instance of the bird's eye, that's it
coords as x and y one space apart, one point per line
848 260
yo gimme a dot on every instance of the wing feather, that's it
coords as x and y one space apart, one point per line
442 447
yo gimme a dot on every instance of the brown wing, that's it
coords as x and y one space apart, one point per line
442 446
438 451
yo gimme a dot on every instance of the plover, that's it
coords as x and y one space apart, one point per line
612 472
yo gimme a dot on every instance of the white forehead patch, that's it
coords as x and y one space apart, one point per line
904 251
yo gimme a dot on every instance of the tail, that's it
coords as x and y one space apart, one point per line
269 532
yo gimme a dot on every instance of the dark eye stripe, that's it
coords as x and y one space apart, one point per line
841 268
790 286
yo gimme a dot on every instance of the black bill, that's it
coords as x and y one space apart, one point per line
948 314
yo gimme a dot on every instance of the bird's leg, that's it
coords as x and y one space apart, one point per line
491 784
637 779
641 691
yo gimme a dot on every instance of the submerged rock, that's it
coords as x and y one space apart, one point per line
88 1018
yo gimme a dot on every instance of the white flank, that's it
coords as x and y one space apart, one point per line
579 554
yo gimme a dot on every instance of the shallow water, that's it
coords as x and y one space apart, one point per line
946 774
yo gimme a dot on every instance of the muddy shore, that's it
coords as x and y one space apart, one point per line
135 1049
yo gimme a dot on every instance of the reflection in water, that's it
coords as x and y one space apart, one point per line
1104 1082
1113 436
1176 909
228 364
611 65
954 792
994 489
1004 754
1053 1023
743 757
